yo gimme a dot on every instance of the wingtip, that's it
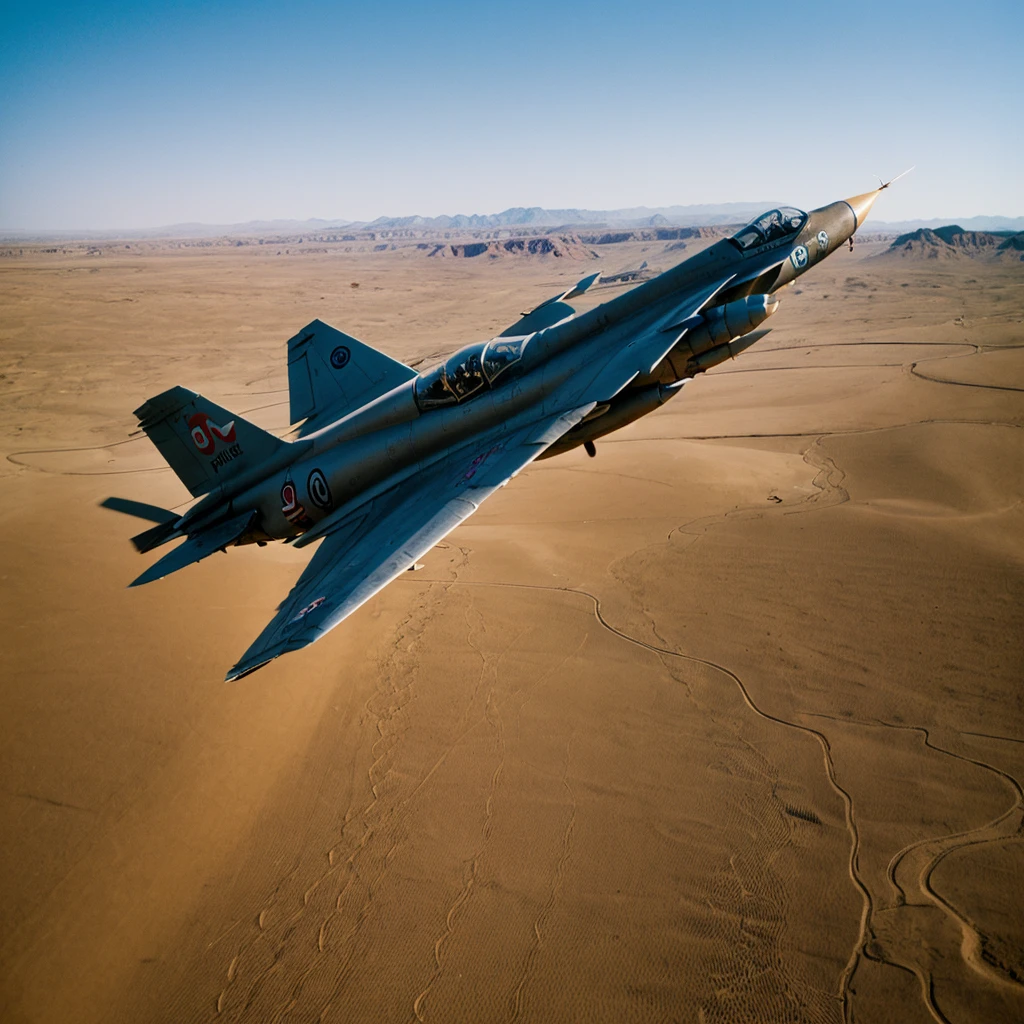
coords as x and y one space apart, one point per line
242 669
151 575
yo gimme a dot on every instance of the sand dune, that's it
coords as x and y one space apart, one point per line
722 725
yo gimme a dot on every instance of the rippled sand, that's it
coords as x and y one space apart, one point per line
722 725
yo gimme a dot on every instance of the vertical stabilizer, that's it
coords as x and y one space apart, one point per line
331 373
203 443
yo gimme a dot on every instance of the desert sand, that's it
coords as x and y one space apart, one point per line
723 725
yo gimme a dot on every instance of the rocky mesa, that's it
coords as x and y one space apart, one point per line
953 242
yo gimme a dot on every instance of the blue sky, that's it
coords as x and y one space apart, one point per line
117 114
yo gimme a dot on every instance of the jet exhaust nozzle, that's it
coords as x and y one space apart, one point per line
722 324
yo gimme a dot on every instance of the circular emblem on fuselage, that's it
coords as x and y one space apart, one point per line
822 238
319 492
340 357
798 257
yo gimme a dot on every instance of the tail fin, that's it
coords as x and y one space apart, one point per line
203 443
330 374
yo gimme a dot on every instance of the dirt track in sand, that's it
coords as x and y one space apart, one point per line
724 724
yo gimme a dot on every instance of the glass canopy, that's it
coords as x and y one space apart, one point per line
468 372
774 224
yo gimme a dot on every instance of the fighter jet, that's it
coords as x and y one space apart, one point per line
386 461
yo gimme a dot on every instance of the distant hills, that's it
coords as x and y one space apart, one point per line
994 223
525 218
700 215
952 241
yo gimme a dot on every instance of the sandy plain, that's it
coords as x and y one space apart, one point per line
723 725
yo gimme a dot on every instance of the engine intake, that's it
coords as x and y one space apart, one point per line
712 331
721 324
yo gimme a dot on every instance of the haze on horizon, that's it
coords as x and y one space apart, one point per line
133 115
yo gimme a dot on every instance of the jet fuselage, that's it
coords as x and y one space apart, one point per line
393 436
388 461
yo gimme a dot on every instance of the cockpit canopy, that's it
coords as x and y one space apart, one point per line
468 372
769 227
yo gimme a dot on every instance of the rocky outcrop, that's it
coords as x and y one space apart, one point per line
660 234
1012 248
557 246
949 243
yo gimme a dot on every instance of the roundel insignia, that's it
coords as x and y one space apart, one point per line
340 357
798 257
319 492
822 240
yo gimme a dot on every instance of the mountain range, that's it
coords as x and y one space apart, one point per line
532 217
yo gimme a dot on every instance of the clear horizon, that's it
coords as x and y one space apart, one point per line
341 222
134 116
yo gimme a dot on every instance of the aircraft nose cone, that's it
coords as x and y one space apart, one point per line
861 205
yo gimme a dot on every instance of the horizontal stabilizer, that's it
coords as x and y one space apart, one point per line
139 509
155 536
197 548
331 373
